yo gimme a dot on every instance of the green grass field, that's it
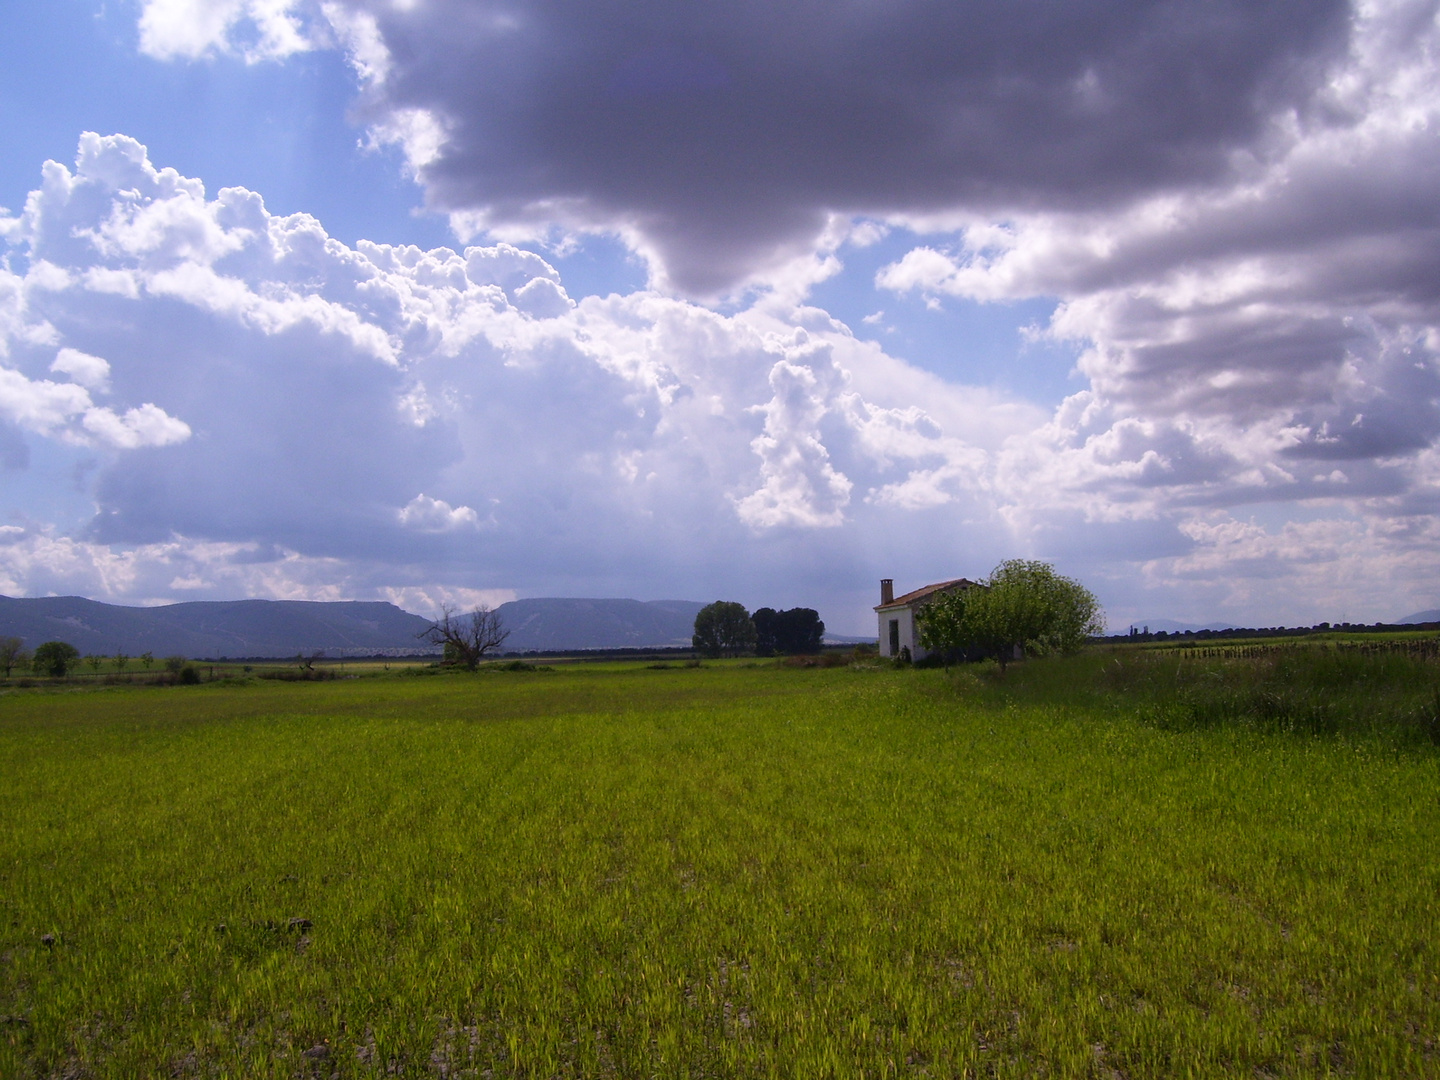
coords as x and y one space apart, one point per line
1090 869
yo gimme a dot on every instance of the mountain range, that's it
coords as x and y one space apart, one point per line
210 628
271 628
274 628
555 623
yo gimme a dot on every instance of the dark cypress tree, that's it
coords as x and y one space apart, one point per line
798 630
766 620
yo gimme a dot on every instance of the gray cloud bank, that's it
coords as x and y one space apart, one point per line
725 133
1272 337
1235 202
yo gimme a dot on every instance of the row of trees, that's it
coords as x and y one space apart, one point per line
465 639
725 628
1022 605
58 658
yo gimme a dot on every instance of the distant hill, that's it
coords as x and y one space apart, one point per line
261 628
1170 626
1433 615
553 624
214 628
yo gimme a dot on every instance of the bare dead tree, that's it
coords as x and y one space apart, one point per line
466 639
12 649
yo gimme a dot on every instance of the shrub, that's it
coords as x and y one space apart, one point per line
817 660
518 665
316 674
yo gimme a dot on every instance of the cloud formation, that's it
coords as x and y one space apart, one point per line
1233 204
1276 339
721 136
351 407
257 29
436 515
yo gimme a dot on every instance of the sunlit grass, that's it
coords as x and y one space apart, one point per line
727 871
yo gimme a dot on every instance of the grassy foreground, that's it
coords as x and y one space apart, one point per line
717 872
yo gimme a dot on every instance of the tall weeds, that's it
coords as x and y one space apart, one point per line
1323 690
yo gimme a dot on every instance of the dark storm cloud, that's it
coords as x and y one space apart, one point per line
725 132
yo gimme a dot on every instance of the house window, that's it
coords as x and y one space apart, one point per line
894 637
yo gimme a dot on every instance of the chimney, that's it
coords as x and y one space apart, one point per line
887 591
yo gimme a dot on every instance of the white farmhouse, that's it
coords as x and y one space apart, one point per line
897 615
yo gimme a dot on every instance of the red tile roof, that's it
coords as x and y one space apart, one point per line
911 598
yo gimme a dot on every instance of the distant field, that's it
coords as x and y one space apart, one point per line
1128 864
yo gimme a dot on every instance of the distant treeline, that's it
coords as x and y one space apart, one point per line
1427 648
1272 631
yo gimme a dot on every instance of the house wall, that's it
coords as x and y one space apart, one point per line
906 617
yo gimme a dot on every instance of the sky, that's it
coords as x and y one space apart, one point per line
457 301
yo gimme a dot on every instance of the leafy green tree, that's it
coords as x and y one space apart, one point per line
95 660
54 658
948 624
147 659
12 654
723 628
120 661
1023 604
798 630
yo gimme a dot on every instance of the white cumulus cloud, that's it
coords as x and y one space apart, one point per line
91 372
323 385
145 426
436 515
190 29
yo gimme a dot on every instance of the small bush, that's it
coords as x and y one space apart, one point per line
301 674
817 660
518 665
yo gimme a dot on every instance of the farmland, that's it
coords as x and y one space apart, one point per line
1130 863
